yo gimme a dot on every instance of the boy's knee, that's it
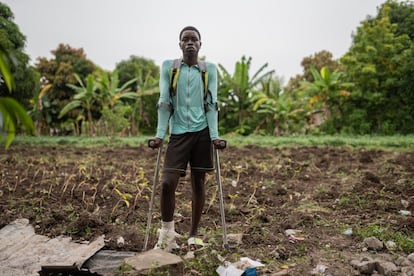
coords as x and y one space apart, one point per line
169 181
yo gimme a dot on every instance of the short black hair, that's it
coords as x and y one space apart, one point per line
189 28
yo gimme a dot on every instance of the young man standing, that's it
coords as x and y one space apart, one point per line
191 114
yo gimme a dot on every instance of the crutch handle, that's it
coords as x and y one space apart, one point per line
154 143
220 144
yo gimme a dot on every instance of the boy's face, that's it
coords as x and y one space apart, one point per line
190 42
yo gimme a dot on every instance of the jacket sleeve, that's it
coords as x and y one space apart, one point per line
212 113
164 101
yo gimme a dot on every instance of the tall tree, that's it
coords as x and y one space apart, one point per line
402 14
144 111
318 61
13 42
377 63
60 71
135 67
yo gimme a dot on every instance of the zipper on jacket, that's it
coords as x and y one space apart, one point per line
188 97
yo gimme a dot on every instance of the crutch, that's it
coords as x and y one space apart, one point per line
218 175
154 183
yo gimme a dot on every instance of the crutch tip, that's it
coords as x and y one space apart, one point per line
226 246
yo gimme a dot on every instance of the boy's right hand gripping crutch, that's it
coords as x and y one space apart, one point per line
218 175
154 183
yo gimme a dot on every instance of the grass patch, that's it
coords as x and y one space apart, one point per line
391 142
384 233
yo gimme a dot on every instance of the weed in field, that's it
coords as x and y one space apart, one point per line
232 208
213 198
344 200
72 228
203 265
123 269
360 201
385 233
269 183
239 169
322 190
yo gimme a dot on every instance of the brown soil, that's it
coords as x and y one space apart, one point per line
86 192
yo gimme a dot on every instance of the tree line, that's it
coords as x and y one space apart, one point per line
366 91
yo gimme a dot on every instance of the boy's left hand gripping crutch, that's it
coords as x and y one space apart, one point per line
151 144
222 145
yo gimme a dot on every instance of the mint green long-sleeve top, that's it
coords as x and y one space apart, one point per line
188 103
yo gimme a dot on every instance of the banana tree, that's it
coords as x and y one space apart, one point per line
144 111
279 113
12 114
112 98
40 112
110 94
235 95
326 92
84 99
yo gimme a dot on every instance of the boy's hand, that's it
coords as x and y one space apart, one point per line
154 143
220 143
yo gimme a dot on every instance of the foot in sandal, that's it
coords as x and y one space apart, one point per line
195 244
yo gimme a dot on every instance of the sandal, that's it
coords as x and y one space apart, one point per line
195 244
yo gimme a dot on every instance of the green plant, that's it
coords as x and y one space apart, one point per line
123 197
386 233
141 185
203 265
360 201
123 269
322 189
344 200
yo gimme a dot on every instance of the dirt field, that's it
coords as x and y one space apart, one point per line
86 192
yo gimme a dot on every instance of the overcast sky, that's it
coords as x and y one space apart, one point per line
279 32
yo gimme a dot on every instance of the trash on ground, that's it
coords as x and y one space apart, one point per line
245 266
404 212
320 268
291 234
348 232
405 203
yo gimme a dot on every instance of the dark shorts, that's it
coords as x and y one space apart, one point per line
191 147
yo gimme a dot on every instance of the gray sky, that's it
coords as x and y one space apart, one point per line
280 32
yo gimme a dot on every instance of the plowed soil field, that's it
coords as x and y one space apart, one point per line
319 192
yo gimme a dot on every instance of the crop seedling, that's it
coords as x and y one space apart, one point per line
142 183
123 197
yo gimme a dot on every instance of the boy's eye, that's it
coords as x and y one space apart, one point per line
186 39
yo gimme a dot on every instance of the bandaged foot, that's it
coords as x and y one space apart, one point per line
167 237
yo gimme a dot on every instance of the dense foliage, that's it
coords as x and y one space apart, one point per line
12 65
380 64
12 42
